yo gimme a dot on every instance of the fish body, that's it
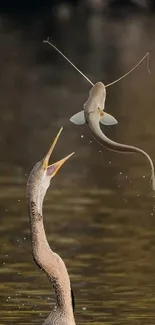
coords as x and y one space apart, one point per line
93 114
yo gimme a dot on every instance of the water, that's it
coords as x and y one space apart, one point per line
99 211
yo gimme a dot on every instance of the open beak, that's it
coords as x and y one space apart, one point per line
53 169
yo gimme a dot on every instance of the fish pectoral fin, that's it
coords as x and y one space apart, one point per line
108 119
78 118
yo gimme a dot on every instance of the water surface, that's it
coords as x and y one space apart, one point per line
99 210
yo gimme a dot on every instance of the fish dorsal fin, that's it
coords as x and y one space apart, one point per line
78 118
107 119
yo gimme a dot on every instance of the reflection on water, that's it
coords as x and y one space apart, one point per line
99 211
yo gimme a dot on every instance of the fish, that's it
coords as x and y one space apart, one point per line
93 114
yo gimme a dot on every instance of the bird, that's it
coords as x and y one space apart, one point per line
45 258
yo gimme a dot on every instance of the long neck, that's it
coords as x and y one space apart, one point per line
45 258
115 146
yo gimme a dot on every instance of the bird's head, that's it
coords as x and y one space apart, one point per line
42 173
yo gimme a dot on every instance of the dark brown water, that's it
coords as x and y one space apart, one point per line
99 211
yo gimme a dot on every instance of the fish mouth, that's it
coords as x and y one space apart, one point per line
52 169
